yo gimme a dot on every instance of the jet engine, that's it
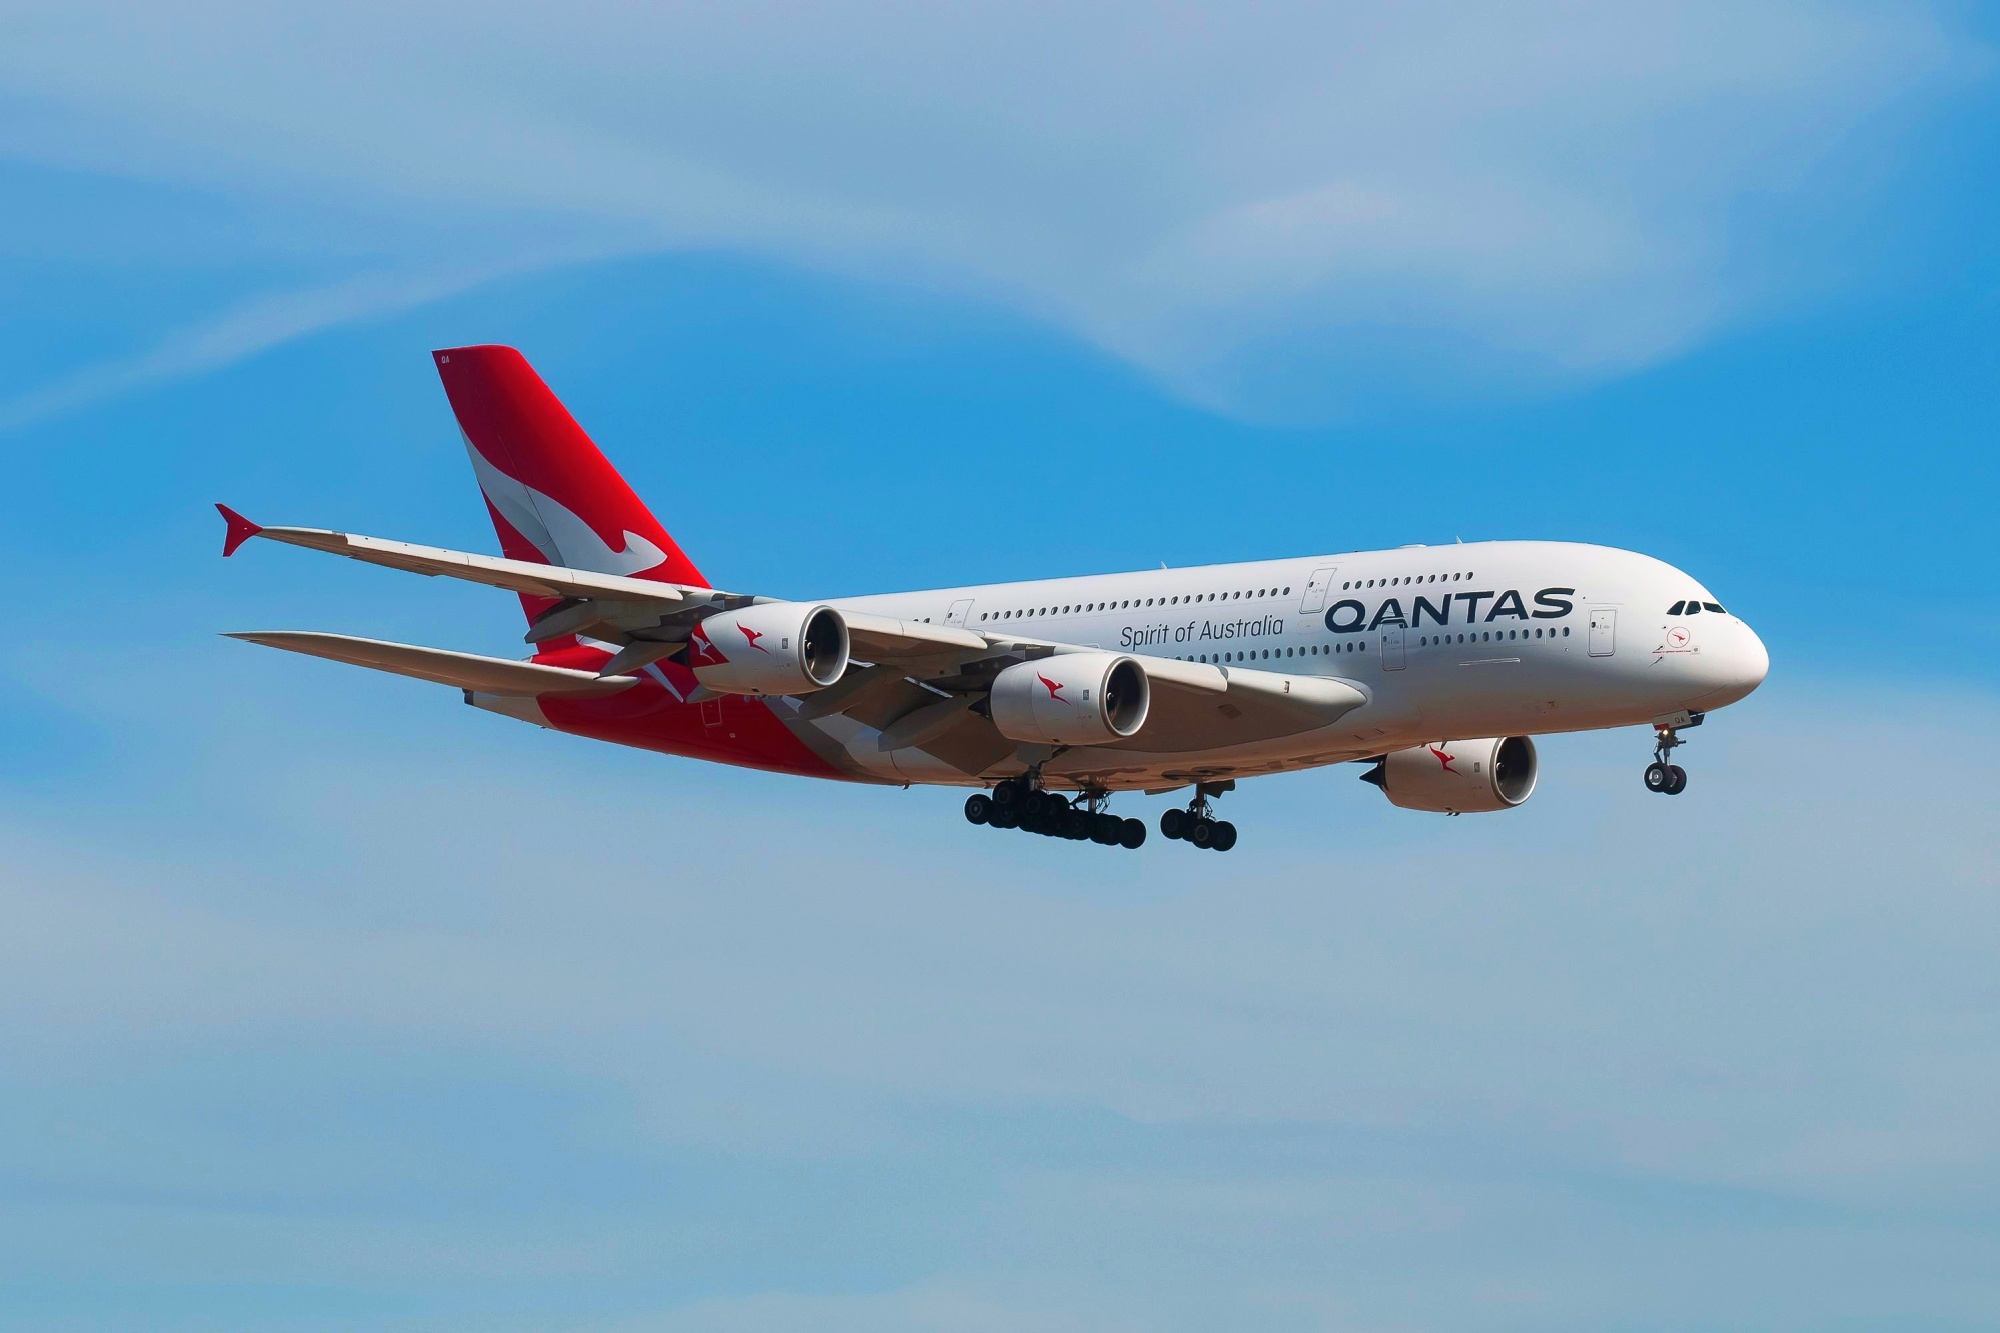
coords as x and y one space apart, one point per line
1458 777
1071 699
770 648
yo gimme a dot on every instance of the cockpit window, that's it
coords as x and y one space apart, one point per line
1711 606
1694 608
1675 609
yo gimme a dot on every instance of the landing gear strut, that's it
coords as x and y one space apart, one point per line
1022 803
1197 824
1663 777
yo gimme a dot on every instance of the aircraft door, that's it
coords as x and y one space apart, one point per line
1392 649
1603 631
1316 586
961 611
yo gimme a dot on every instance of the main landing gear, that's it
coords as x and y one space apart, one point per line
1197 824
1661 776
1017 803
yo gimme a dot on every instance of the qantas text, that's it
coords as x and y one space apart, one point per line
1346 616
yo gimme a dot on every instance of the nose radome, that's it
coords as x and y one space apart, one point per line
1756 659
1732 667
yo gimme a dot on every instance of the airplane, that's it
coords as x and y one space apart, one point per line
1435 666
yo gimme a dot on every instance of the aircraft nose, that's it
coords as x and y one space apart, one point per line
1755 659
1733 667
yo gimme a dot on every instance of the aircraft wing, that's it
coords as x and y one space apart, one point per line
1196 705
468 671
881 639
495 571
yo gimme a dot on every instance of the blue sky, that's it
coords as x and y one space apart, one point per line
327 1002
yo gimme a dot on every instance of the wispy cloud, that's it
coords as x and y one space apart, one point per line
242 331
1575 190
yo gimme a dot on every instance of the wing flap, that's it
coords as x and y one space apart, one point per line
468 671
1189 714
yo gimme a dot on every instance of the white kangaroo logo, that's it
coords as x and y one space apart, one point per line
561 537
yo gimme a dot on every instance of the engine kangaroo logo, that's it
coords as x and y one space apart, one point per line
750 636
1444 758
1055 690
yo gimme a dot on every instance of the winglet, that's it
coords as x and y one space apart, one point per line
241 530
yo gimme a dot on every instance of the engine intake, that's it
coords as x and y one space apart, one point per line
1072 699
1459 777
770 648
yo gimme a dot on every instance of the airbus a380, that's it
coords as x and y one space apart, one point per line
1434 665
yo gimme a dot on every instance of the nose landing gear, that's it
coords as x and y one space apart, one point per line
1666 778
1019 803
1197 824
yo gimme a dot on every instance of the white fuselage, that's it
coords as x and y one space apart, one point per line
1446 642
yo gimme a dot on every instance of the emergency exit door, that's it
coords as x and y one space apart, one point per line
1603 631
1316 585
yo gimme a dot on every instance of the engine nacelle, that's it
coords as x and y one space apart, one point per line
1071 699
770 648
1459 777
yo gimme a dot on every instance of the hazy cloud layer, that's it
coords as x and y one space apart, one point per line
1243 200
1377 1066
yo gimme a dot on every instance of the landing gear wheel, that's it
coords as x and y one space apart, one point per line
1224 836
978 808
1003 817
1104 829
1202 834
1174 824
1661 776
1131 834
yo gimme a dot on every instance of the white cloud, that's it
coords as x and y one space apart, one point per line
1570 189
250 327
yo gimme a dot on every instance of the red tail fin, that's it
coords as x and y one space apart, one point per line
553 497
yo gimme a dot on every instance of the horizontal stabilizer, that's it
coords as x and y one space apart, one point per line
468 671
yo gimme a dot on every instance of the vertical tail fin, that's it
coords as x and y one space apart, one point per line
553 497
